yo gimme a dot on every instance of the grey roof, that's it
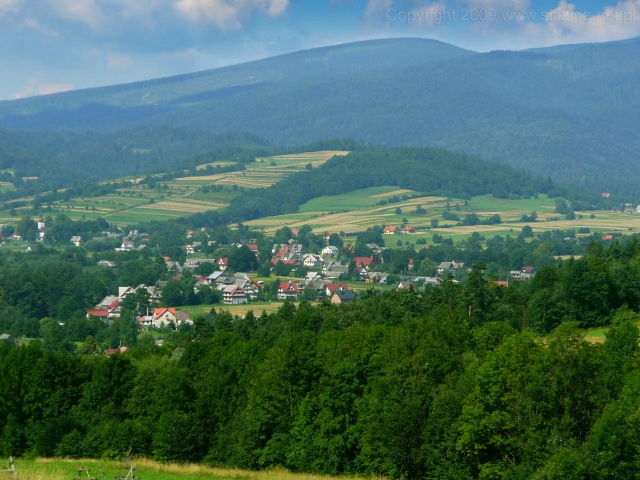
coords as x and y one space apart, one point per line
345 294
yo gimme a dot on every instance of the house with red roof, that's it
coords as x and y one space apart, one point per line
330 288
222 263
295 232
114 309
408 229
364 261
411 264
163 317
288 291
102 314
234 295
390 231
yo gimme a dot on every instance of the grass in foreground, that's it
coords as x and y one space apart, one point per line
66 469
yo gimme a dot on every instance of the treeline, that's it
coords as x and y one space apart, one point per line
450 383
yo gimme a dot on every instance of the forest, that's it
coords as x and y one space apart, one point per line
469 380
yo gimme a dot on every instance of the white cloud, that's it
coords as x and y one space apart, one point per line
35 87
119 62
8 7
501 5
376 7
229 14
83 11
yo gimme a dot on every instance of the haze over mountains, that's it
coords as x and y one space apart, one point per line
570 112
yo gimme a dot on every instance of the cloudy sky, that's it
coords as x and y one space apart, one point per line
54 45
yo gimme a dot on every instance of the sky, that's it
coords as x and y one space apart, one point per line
48 46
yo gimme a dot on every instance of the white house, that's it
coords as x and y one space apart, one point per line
330 251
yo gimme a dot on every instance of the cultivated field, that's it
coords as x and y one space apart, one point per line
64 469
179 197
359 210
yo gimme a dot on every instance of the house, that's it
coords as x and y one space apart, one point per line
376 277
375 248
76 240
102 314
189 248
364 261
106 263
334 271
113 351
163 317
16 237
342 296
311 260
331 288
390 231
190 233
362 273
124 291
295 232
213 278
183 317
42 230
607 237
330 251
605 194
145 321
327 235
408 229
288 291
446 267
253 247
114 310
8 338
234 295
223 263
525 273
405 286
411 264
502 283
126 246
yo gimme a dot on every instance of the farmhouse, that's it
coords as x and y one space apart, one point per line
76 240
331 288
223 263
312 260
163 317
408 229
390 231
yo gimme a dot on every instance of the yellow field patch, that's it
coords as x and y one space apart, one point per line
390 194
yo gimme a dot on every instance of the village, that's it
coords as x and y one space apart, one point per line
332 275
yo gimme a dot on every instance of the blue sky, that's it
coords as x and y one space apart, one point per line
56 45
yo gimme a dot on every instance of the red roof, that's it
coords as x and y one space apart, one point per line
286 262
289 287
366 261
528 269
408 228
502 283
253 247
411 261
113 305
390 229
176 277
332 287
158 312
295 231
223 261
97 313
607 237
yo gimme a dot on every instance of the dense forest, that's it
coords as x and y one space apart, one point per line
53 160
469 380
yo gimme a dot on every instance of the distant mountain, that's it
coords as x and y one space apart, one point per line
571 113
118 105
